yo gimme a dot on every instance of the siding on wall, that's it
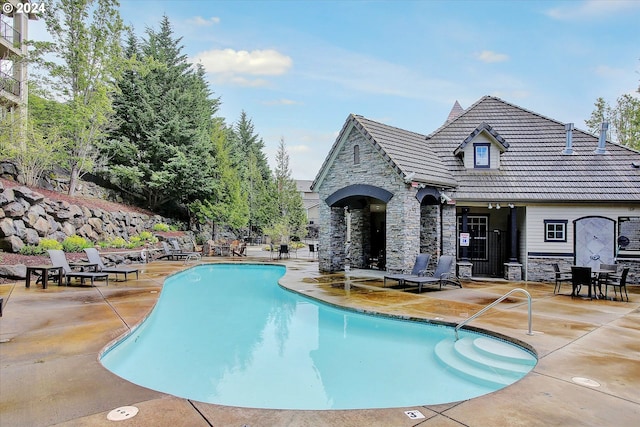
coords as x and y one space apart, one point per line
536 214
494 152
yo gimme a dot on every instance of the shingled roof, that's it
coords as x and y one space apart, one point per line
406 152
532 166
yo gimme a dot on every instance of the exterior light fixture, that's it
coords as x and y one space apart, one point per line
511 205
490 206
497 205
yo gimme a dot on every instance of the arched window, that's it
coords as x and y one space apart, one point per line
356 154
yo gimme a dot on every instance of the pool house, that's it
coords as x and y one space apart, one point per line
504 189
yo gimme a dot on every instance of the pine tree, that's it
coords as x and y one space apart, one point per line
161 149
288 199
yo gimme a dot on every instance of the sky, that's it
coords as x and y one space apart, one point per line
298 68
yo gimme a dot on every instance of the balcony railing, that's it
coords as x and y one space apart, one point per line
9 84
9 33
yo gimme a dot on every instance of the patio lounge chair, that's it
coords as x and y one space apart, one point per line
58 259
178 250
442 275
419 269
94 258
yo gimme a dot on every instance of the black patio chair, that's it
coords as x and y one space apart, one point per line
619 283
580 276
561 277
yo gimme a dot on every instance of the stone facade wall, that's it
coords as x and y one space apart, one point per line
27 216
359 237
430 232
343 172
540 269
403 211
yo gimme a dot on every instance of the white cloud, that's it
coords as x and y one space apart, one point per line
199 21
490 56
299 149
267 62
591 9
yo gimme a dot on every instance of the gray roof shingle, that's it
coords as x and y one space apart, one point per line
532 166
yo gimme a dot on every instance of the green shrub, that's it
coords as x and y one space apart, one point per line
32 250
75 243
160 227
147 236
49 244
118 242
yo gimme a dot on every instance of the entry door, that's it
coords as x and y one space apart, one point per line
594 241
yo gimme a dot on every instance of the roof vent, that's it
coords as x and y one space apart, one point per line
568 149
603 139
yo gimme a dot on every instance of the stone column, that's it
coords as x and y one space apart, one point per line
403 231
332 242
359 235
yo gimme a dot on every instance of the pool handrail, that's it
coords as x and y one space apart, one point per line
479 313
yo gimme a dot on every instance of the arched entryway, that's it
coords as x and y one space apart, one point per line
358 216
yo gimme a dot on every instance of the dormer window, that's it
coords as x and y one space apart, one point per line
481 155
482 149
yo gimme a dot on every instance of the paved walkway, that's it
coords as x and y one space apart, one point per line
51 339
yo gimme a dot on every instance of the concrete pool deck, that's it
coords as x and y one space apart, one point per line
50 340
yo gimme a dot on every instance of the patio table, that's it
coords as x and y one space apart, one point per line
44 274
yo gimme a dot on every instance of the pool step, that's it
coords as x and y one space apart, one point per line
484 360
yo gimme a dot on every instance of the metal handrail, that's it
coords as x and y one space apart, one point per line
478 314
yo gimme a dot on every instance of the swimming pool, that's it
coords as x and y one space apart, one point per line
229 334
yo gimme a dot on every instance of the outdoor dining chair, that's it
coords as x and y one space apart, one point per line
580 276
619 283
561 277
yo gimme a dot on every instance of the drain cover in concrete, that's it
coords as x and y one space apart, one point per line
122 413
585 381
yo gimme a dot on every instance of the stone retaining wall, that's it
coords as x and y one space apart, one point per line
27 216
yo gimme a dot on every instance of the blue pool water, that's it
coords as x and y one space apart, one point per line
229 334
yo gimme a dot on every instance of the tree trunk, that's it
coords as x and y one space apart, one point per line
73 180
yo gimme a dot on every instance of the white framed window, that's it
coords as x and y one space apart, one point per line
555 230
481 155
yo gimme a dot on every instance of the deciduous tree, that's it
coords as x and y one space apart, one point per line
81 61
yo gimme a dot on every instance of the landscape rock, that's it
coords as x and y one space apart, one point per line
7 228
11 244
26 216
14 209
27 194
18 271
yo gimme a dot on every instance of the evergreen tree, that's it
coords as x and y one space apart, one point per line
228 205
161 149
291 221
253 169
